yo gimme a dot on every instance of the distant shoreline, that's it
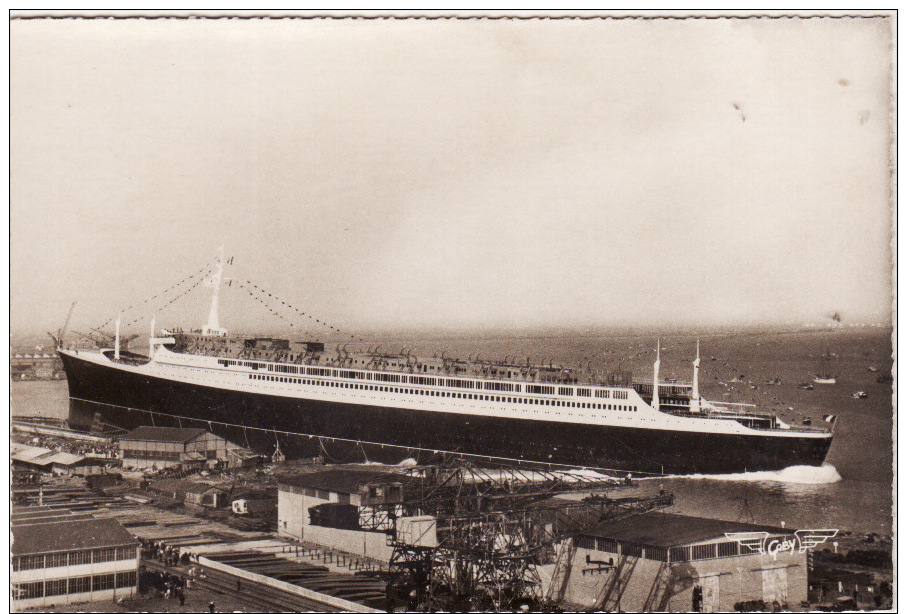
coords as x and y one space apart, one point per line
34 340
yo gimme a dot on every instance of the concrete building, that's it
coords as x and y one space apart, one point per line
662 562
158 447
61 558
326 508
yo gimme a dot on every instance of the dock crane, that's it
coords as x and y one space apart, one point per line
490 531
58 338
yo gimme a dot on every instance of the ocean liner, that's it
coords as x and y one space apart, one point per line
296 396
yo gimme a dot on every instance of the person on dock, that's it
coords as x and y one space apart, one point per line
211 607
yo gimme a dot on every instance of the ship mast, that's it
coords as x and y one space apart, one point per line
655 401
116 343
213 327
151 340
695 403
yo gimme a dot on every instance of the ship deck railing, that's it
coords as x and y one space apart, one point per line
569 377
721 413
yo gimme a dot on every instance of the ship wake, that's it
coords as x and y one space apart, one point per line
797 474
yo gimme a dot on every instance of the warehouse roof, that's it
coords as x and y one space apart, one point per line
43 457
202 487
77 534
662 529
343 480
24 453
162 433
29 515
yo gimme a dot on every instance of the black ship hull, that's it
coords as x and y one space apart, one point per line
304 427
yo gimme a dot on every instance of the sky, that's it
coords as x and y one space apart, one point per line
453 174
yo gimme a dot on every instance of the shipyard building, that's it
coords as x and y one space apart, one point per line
160 447
674 563
335 508
61 558
651 561
33 458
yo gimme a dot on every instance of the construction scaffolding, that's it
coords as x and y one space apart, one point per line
473 538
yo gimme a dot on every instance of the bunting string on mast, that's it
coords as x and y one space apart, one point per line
201 274
258 293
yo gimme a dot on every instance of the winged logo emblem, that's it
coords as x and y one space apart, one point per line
763 542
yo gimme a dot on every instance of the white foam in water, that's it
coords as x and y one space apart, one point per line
406 462
798 474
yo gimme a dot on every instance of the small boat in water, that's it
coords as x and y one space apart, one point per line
806 386
860 394
824 372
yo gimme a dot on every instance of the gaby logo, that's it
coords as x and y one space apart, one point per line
765 543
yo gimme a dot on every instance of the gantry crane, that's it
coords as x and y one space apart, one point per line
473 538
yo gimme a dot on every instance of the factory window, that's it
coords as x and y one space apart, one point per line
620 394
55 587
80 585
102 582
56 560
124 553
585 542
583 392
680 554
103 555
606 544
634 550
728 549
29 590
703 551
21 563
603 394
654 553
563 391
125 579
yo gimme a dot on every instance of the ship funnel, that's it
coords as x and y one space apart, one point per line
655 400
695 403
116 341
